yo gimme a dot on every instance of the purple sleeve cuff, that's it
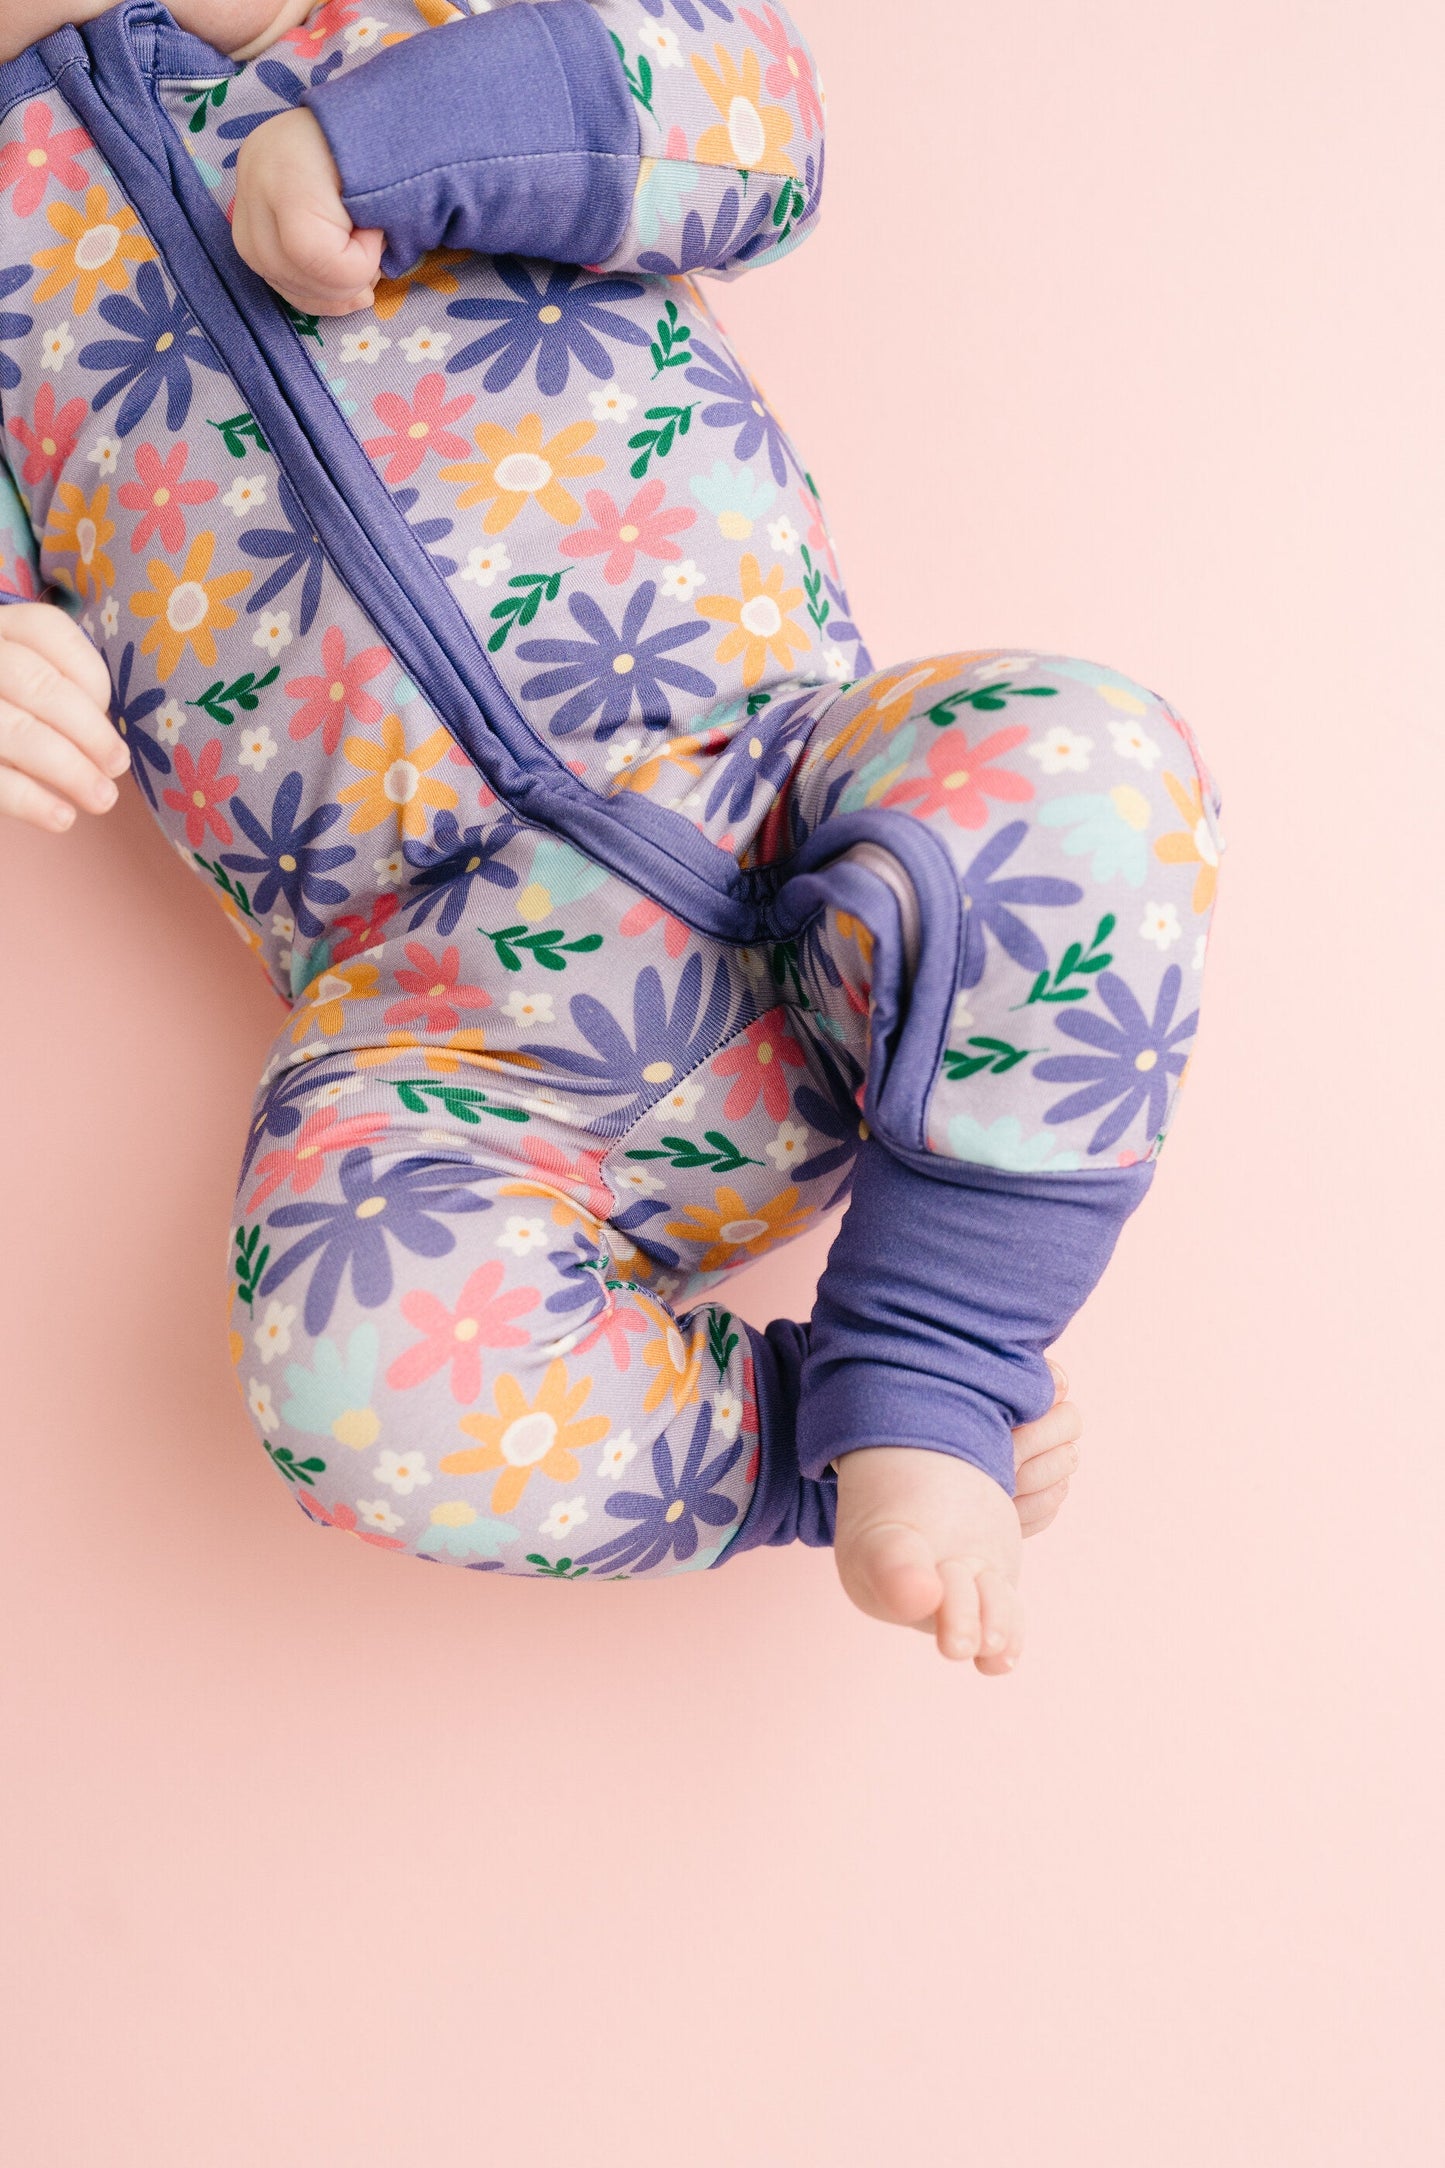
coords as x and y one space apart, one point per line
940 1295
510 133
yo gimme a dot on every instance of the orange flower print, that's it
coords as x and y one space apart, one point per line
516 465
678 1367
189 610
396 786
890 699
434 272
761 626
81 530
750 135
529 1437
733 1233
99 248
1194 843
325 1001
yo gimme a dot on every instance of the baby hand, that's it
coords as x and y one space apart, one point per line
56 735
291 226
1046 1453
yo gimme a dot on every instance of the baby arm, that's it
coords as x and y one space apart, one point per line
58 749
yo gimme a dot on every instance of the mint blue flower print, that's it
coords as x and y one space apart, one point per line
453 860
735 496
402 1201
667 1525
558 322
701 250
14 324
563 874
299 551
457 1530
663 1049
609 670
159 346
1109 827
737 405
1003 1144
661 193
875 775
1131 1063
990 901
287 859
333 1398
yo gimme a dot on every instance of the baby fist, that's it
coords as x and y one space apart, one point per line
291 226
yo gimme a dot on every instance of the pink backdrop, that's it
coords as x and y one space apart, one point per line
1122 337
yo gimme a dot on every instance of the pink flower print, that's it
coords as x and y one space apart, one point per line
580 1177
482 1318
326 701
613 1326
161 495
359 932
345 1518
960 781
328 22
647 913
50 438
758 1060
20 581
202 793
792 69
435 995
619 536
418 428
303 1161
30 165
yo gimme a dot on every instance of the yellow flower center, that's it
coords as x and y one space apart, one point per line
529 1439
657 1072
308 1151
624 664
628 534
550 315
166 340
1146 1060
198 797
336 690
36 158
286 862
472 864
456 1513
735 525
370 1206
418 430
675 1511
47 445
765 1052
357 1427
957 780
466 1328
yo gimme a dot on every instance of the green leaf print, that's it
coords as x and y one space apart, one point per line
238 432
986 697
783 965
639 82
722 1156
999 1057
520 609
461 1101
672 422
210 98
548 949
294 1470
1076 962
818 604
217 700
236 890
563 1570
305 327
670 349
249 1263
720 1341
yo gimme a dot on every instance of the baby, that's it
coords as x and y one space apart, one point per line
489 660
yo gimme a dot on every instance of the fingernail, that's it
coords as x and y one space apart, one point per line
119 762
104 796
63 816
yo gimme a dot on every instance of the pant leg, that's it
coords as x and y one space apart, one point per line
995 880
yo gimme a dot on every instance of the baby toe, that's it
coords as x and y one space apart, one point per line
889 1573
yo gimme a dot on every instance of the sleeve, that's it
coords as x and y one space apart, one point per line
585 131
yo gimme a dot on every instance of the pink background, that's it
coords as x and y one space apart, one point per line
1122 336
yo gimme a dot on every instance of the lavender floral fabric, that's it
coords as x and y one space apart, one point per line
522 1118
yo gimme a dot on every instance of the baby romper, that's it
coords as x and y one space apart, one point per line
487 656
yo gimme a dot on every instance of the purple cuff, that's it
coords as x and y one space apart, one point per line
506 134
941 1293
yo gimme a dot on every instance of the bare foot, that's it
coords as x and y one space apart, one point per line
925 1540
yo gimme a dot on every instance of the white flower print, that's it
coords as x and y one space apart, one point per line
340 1088
257 747
1134 743
783 535
168 722
610 406
105 452
679 583
110 617
727 1414
1062 749
1196 961
273 632
962 1016
835 663
402 1472
282 926
535 1008
368 346
273 1335
1161 925
679 1104
567 1514
55 345
362 35
424 344
789 1145
246 494
551 1105
664 44
1000 666
376 1513
486 563
641 1181
523 1236
263 1407
391 870
622 753
617 1451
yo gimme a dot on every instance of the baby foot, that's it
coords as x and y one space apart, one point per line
925 1540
